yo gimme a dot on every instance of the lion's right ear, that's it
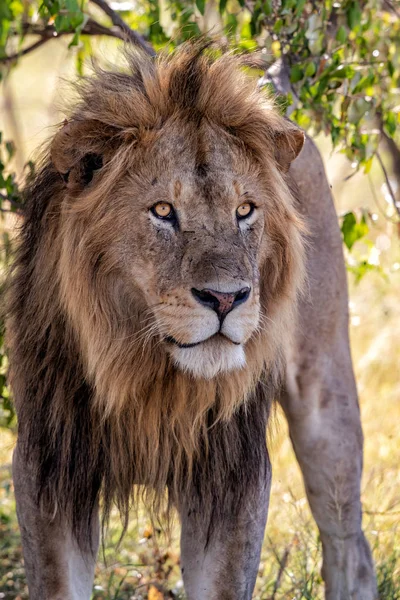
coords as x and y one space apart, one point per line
79 149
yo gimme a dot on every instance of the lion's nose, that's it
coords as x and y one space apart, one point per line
221 302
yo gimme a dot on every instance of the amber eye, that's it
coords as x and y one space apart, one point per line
244 210
163 210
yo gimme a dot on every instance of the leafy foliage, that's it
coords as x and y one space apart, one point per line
9 189
344 64
341 58
67 16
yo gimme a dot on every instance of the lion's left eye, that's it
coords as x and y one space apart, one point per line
244 210
163 210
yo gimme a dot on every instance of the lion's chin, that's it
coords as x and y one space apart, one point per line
210 358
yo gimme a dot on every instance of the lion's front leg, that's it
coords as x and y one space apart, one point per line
224 512
224 565
324 421
56 569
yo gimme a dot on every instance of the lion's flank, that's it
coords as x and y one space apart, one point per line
99 409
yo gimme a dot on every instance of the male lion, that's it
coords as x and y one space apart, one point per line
152 320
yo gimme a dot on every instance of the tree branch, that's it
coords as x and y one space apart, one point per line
17 205
391 7
392 147
131 35
378 203
388 184
49 32
37 44
121 30
91 27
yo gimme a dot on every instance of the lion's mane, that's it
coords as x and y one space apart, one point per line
99 412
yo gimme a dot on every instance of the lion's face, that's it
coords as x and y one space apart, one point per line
193 244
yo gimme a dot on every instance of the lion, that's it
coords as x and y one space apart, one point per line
178 269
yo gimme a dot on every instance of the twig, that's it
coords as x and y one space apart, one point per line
117 20
388 184
14 122
37 44
391 145
378 205
282 566
9 211
92 27
49 32
381 513
391 7
15 203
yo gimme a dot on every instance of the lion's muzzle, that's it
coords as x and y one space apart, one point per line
207 332
221 302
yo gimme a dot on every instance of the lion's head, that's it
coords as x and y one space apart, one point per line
177 205
157 278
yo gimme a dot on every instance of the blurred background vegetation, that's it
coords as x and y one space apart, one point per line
334 68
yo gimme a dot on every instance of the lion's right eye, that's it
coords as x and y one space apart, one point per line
163 210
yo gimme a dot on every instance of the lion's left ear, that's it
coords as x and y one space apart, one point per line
287 145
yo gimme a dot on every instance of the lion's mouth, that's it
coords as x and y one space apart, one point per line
219 334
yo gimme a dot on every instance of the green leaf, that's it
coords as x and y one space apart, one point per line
300 4
75 40
287 5
352 230
335 134
232 23
364 83
354 15
368 165
190 30
341 35
201 5
310 70
10 147
390 123
71 5
362 268
267 7
222 6
296 74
